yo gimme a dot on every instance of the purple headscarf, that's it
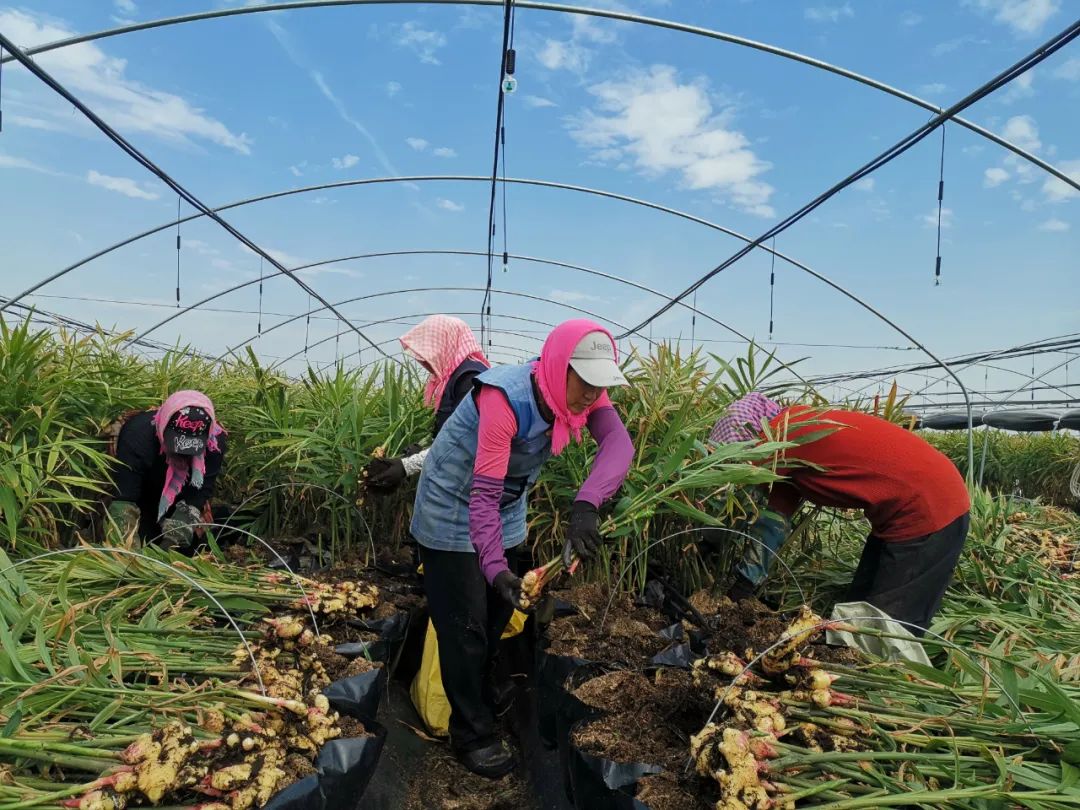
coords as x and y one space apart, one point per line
742 420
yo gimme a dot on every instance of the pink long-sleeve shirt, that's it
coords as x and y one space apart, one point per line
497 428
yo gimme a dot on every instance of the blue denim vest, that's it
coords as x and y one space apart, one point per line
441 510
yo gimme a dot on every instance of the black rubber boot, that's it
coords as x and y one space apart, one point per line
492 761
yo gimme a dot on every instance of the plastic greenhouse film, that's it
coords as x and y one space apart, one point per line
1022 420
951 421
1070 421
602 784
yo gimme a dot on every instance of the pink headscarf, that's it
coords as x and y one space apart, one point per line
179 467
742 420
444 343
550 374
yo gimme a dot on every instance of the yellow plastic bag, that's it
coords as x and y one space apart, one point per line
427 692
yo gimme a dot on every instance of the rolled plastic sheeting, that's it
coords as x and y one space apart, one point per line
951 421
1070 420
1024 421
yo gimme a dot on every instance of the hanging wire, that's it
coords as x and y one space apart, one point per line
178 252
260 295
940 197
307 328
693 323
772 287
1 87
504 62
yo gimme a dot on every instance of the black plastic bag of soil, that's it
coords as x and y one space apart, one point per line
391 635
603 784
343 770
683 653
551 694
359 696
343 767
570 713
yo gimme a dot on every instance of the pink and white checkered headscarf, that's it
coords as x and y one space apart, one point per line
444 343
742 420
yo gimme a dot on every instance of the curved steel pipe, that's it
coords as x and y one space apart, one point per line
388 180
547 262
610 14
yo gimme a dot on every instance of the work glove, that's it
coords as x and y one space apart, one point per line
384 475
508 587
122 522
582 535
178 529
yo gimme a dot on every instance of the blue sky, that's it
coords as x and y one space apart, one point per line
266 102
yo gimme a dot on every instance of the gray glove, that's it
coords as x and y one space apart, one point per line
122 521
178 529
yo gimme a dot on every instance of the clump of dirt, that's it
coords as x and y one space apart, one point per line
666 791
628 638
744 625
706 602
444 784
607 691
297 767
334 664
358 666
351 727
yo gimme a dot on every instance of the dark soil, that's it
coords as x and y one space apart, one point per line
629 636
742 626
664 791
297 767
648 719
351 727
443 784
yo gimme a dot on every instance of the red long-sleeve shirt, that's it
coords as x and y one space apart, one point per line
906 488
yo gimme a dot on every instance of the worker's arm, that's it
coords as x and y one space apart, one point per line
496 430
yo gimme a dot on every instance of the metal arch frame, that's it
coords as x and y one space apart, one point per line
619 16
293 356
389 180
388 293
384 254
510 332
1029 377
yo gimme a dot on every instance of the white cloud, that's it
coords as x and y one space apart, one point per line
12 162
536 102
1018 88
346 162
931 220
571 296
425 44
200 247
296 171
910 19
1023 131
449 205
393 88
30 122
1069 70
866 184
829 13
1022 16
560 54
418 144
444 152
121 185
1057 190
101 81
1054 226
951 45
283 38
994 177
651 121
932 89
126 6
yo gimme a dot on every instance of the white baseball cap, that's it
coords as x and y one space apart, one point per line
594 361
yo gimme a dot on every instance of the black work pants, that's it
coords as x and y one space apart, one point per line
907 579
469 619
